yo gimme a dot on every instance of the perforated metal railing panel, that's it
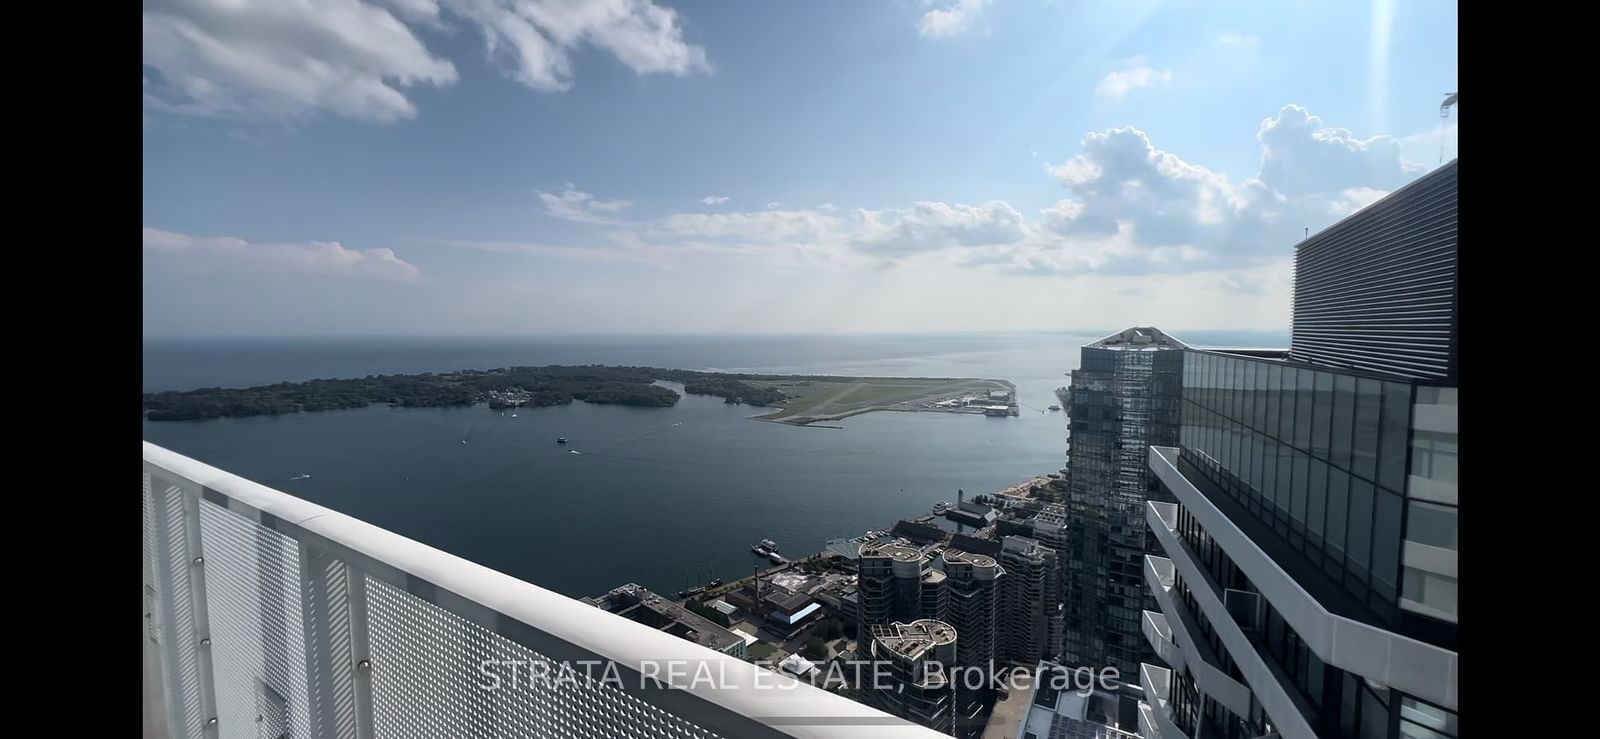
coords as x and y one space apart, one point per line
262 627
425 656
258 627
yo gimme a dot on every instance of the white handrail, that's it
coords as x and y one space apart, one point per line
781 703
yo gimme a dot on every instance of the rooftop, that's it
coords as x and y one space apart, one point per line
976 560
892 550
1139 338
638 603
914 639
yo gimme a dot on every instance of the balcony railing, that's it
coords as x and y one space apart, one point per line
1155 711
269 616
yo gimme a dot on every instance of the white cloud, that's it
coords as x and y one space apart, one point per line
534 39
934 225
327 258
1234 38
282 60
1431 148
1133 206
1130 208
1300 156
286 61
573 204
1354 199
714 199
767 226
952 18
1118 84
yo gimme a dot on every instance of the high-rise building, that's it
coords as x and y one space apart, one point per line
1030 615
915 679
895 583
1307 581
1123 398
974 584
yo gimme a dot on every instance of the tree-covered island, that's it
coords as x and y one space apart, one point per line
499 388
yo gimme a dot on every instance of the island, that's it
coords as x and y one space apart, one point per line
795 399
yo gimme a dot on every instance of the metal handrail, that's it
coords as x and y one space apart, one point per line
745 699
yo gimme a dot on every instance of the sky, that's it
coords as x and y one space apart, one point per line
425 167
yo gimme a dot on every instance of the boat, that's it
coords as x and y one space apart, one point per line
1055 407
559 440
761 550
776 558
512 415
942 506
299 477
770 544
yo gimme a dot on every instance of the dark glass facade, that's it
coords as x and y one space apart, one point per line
1122 401
1318 456
1336 702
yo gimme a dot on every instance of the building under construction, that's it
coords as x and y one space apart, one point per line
1123 398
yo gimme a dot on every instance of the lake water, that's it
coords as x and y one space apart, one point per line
664 497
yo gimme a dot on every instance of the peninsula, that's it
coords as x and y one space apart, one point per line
795 399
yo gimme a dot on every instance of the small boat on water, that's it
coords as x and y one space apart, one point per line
299 477
761 550
776 558
770 544
513 415
1055 407
942 506
561 439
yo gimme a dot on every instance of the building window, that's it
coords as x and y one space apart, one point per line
1364 442
1436 592
1433 455
1432 524
1311 424
1344 412
1426 721
1396 428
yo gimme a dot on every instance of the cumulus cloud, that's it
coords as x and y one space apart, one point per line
1299 155
326 258
1137 74
1134 206
272 60
573 204
714 199
1130 208
951 18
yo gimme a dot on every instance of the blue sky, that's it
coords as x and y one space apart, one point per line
541 166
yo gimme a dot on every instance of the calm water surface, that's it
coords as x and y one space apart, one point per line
660 496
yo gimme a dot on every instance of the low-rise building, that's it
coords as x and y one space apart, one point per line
637 603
